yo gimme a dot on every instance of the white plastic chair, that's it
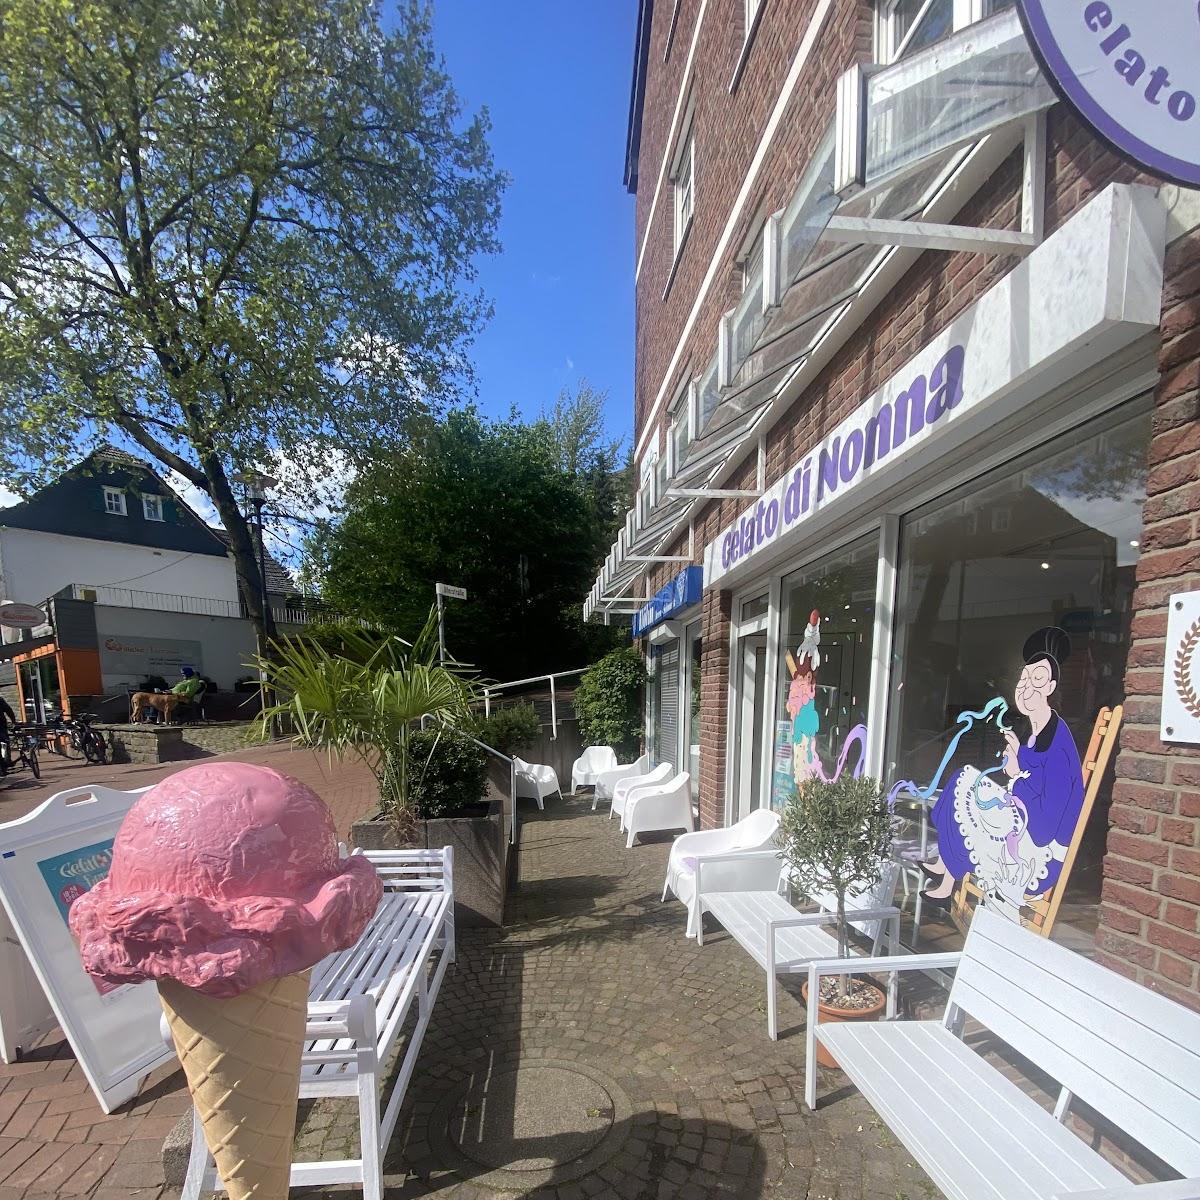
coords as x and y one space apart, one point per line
659 806
536 781
607 780
714 847
623 787
589 764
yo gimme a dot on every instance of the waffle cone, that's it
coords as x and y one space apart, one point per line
242 1061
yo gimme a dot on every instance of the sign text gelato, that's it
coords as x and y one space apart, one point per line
1131 69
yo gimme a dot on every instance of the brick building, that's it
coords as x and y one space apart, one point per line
935 386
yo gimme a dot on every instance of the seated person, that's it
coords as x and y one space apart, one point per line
189 685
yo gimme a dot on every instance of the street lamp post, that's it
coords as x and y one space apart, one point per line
257 485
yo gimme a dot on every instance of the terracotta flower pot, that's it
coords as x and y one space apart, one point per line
831 1012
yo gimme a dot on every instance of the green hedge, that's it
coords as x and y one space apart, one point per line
608 702
509 730
448 771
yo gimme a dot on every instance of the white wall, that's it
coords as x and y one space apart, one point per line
135 635
35 565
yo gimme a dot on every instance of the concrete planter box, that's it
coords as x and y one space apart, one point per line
481 858
143 743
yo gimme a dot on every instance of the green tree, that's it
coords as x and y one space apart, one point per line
484 506
233 232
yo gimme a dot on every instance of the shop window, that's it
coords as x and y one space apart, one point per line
1050 541
828 626
693 760
755 608
152 508
114 501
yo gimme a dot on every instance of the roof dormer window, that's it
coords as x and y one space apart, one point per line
114 502
152 508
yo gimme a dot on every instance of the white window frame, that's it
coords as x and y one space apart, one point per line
681 417
152 507
114 502
890 48
751 15
683 198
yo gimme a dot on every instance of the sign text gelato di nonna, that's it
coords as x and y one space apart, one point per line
847 454
1131 69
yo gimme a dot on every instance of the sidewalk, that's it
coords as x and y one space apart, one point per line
593 1050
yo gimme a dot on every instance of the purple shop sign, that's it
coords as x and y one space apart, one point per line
1131 69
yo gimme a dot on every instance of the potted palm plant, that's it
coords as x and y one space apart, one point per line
396 707
835 837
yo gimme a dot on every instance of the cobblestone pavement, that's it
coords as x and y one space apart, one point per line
593 1050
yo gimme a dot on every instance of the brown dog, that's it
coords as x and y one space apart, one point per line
164 702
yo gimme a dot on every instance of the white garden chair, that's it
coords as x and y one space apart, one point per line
623 787
659 806
607 780
723 853
536 781
589 764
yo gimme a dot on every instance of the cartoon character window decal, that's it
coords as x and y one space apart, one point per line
1011 824
805 717
802 701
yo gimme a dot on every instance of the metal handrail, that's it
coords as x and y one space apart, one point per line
499 687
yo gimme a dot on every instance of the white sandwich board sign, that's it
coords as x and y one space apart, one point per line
47 860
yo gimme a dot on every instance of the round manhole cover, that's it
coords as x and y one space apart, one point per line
532 1118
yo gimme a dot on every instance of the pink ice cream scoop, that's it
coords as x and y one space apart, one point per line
223 876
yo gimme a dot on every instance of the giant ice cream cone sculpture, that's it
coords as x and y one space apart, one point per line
225 887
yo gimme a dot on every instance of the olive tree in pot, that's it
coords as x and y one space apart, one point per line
835 837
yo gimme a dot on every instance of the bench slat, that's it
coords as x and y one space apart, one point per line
1130 1054
745 915
330 971
976 1134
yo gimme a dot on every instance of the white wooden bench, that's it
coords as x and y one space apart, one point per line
1129 1054
781 940
359 1001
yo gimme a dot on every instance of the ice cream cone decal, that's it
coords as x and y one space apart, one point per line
226 886
242 1061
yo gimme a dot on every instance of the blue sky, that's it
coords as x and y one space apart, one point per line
554 75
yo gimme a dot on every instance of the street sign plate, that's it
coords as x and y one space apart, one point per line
455 593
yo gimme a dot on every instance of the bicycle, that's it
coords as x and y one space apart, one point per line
85 740
22 751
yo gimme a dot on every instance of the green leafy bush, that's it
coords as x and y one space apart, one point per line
448 771
608 702
509 730
835 836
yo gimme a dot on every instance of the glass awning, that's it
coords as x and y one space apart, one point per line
925 118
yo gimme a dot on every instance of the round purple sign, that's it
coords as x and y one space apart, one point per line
1131 69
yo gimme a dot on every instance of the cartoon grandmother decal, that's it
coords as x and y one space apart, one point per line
1013 832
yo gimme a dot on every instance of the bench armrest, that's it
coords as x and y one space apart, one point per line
1172 1189
830 918
887 962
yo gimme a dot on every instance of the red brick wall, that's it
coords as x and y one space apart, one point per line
1150 916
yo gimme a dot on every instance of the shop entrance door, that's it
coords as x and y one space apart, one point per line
751 714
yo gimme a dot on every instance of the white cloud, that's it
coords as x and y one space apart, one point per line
7 497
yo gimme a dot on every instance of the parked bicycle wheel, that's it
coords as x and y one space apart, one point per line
94 748
30 755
